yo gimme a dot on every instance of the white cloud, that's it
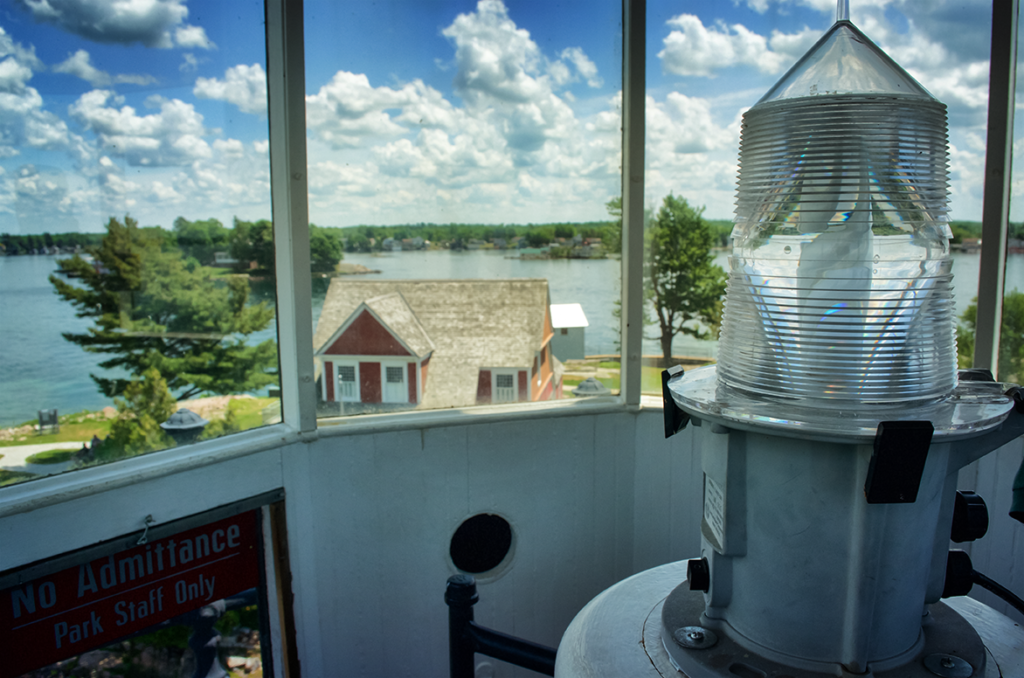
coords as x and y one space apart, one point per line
189 63
171 137
41 199
23 55
694 49
229 148
586 68
500 78
347 110
512 147
13 75
162 194
192 37
792 46
80 65
23 121
496 59
244 86
144 21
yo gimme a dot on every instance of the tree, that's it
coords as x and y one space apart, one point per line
1011 337
539 237
324 249
611 237
201 239
253 241
680 277
147 403
150 311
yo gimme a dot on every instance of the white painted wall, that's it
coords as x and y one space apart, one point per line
592 498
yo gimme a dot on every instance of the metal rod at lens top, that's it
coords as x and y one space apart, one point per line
842 10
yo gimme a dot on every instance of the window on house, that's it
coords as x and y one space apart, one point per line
480 144
139 276
505 388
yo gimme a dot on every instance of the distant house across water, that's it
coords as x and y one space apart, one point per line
388 345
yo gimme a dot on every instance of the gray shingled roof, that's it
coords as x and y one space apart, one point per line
395 312
470 323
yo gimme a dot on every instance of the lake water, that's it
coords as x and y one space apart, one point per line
39 369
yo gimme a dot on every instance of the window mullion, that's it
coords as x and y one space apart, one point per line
634 14
998 171
286 93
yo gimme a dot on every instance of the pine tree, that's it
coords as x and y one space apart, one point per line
150 310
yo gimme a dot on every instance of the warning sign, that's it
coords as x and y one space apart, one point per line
95 603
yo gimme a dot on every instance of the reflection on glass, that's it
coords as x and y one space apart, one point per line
467 157
136 282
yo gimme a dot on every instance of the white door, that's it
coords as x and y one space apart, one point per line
395 390
505 388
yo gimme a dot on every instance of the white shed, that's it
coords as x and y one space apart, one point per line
569 323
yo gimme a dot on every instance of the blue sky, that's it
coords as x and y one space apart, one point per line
423 110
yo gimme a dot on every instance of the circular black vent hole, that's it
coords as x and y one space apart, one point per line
481 543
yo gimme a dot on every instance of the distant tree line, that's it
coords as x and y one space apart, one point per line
972 229
30 244
251 244
371 238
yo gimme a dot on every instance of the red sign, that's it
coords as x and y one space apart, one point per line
93 604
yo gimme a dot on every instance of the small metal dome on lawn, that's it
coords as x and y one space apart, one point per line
184 426
590 387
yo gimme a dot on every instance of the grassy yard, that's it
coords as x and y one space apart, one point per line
51 457
249 411
82 426
11 477
650 380
73 427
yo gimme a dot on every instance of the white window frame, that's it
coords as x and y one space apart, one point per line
339 391
514 374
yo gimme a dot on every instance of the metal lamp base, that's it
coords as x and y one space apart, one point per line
620 633
949 647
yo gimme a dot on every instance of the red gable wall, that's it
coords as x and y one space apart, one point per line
366 336
483 387
369 388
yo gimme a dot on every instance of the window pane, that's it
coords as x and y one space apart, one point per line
709 62
134 189
465 157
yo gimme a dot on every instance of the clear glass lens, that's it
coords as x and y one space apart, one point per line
840 283
844 61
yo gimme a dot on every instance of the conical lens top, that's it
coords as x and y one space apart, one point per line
844 61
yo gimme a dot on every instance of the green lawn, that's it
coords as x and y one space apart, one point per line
51 457
11 477
73 427
82 426
249 411
650 380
